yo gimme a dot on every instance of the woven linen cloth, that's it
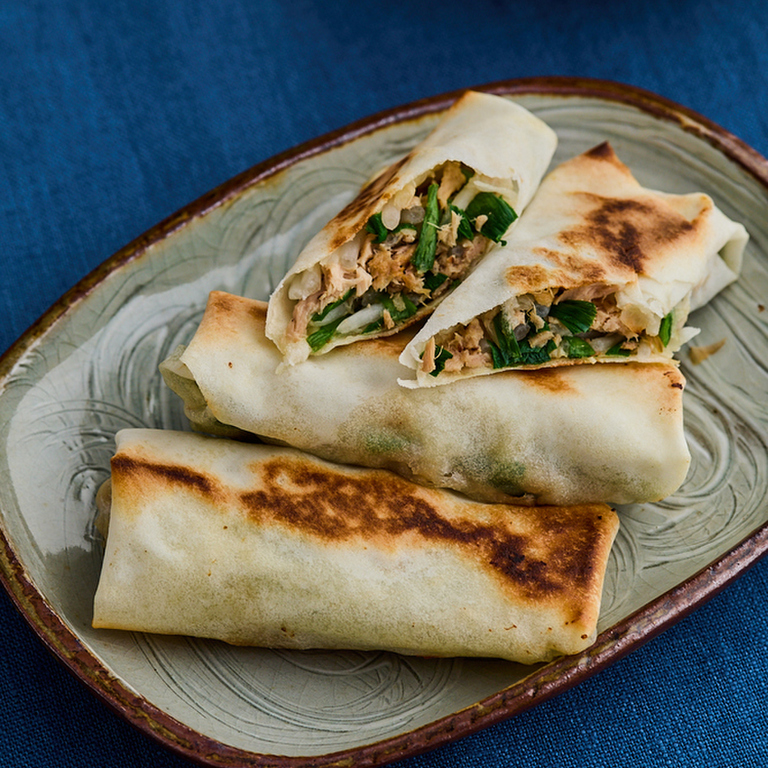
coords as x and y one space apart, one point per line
114 115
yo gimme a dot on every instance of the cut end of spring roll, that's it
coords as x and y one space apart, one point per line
415 231
599 269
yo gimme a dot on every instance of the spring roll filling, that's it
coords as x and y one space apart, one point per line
416 249
534 328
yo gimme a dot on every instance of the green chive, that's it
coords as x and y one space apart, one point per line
665 329
505 337
508 352
424 257
318 316
465 231
433 281
376 227
618 350
536 355
576 316
322 335
409 308
577 347
500 214
440 359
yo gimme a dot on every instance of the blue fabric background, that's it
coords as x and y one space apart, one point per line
114 115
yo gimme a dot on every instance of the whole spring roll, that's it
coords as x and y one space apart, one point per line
415 231
598 269
267 546
562 436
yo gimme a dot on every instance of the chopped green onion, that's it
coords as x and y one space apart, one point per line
376 227
318 316
498 212
424 257
409 308
465 231
577 347
576 316
433 281
397 315
618 350
322 335
536 355
505 337
665 329
440 360
508 352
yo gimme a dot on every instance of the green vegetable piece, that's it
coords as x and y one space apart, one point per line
577 316
536 355
376 227
500 214
577 347
505 337
465 231
318 316
322 335
409 308
433 281
508 352
398 315
618 350
424 257
507 477
665 329
440 359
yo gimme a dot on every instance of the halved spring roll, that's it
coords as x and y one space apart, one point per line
560 436
415 231
598 269
266 546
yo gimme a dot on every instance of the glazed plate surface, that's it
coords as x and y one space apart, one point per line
89 368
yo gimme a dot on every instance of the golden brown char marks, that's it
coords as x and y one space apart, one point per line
376 507
227 314
354 216
626 231
536 552
548 379
137 472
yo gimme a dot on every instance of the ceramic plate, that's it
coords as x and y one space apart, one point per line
89 368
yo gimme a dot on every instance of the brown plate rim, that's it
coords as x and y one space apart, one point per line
540 685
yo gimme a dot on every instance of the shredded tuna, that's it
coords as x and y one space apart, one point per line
388 264
339 281
453 179
466 348
540 339
454 262
428 358
304 309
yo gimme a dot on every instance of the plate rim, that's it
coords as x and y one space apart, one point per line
543 683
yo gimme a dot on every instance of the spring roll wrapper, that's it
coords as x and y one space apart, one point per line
501 141
268 546
591 222
609 434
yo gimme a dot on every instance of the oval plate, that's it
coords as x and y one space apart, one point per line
89 368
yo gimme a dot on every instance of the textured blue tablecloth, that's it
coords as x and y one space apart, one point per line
114 115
